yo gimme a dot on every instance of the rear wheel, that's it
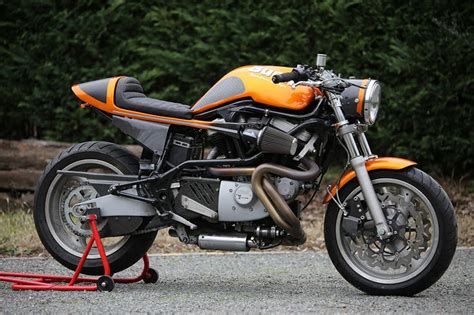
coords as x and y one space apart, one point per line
424 239
59 229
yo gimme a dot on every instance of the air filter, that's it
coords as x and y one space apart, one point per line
272 140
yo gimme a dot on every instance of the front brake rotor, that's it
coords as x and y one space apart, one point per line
411 232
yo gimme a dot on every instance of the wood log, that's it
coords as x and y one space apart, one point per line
19 180
28 154
22 162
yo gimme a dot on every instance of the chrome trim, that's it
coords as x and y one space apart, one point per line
321 60
368 98
364 144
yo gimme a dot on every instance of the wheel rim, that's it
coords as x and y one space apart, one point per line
409 251
65 191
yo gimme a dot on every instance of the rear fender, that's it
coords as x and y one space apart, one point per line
383 163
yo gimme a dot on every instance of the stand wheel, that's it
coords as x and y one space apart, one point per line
105 284
151 276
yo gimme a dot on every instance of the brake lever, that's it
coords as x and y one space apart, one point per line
309 83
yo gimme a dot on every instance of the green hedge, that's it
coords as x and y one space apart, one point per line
421 52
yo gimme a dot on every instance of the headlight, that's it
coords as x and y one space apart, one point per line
362 103
371 101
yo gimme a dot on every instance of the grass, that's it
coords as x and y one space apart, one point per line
18 234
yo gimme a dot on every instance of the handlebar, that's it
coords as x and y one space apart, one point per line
300 73
286 77
319 78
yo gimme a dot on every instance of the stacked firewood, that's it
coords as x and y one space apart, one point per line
22 163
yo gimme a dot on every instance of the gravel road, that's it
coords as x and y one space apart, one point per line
279 282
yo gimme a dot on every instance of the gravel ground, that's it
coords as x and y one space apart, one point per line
279 282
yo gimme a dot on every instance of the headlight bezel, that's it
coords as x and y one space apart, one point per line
371 101
361 100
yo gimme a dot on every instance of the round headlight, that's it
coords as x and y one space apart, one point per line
372 101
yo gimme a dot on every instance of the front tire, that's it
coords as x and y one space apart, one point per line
59 232
409 262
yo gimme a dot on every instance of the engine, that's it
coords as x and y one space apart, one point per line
225 201
229 210
233 205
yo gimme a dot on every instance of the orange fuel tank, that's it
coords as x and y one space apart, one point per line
255 82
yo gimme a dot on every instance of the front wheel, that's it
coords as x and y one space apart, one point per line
424 239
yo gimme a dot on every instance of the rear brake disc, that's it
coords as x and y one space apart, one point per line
70 214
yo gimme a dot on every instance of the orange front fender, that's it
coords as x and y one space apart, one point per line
383 163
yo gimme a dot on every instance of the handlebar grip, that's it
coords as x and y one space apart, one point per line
285 77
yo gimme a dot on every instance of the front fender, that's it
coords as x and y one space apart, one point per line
383 163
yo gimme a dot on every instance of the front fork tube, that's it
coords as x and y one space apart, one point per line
358 164
357 161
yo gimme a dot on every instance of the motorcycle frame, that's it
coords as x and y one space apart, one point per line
161 180
232 129
346 131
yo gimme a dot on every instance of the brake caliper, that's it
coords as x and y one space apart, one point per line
353 217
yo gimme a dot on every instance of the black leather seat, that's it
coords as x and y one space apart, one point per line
129 95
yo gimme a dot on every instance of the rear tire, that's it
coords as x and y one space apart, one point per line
114 156
430 270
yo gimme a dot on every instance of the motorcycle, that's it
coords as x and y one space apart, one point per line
272 131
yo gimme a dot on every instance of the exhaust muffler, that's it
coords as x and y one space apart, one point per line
237 242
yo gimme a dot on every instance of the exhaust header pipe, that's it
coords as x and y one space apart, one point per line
275 204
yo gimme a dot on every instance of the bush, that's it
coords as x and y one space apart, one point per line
422 53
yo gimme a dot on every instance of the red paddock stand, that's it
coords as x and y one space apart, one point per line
39 282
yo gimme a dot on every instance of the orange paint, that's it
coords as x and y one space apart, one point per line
361 96
259 87
111 108
111 91
383 163
83 96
